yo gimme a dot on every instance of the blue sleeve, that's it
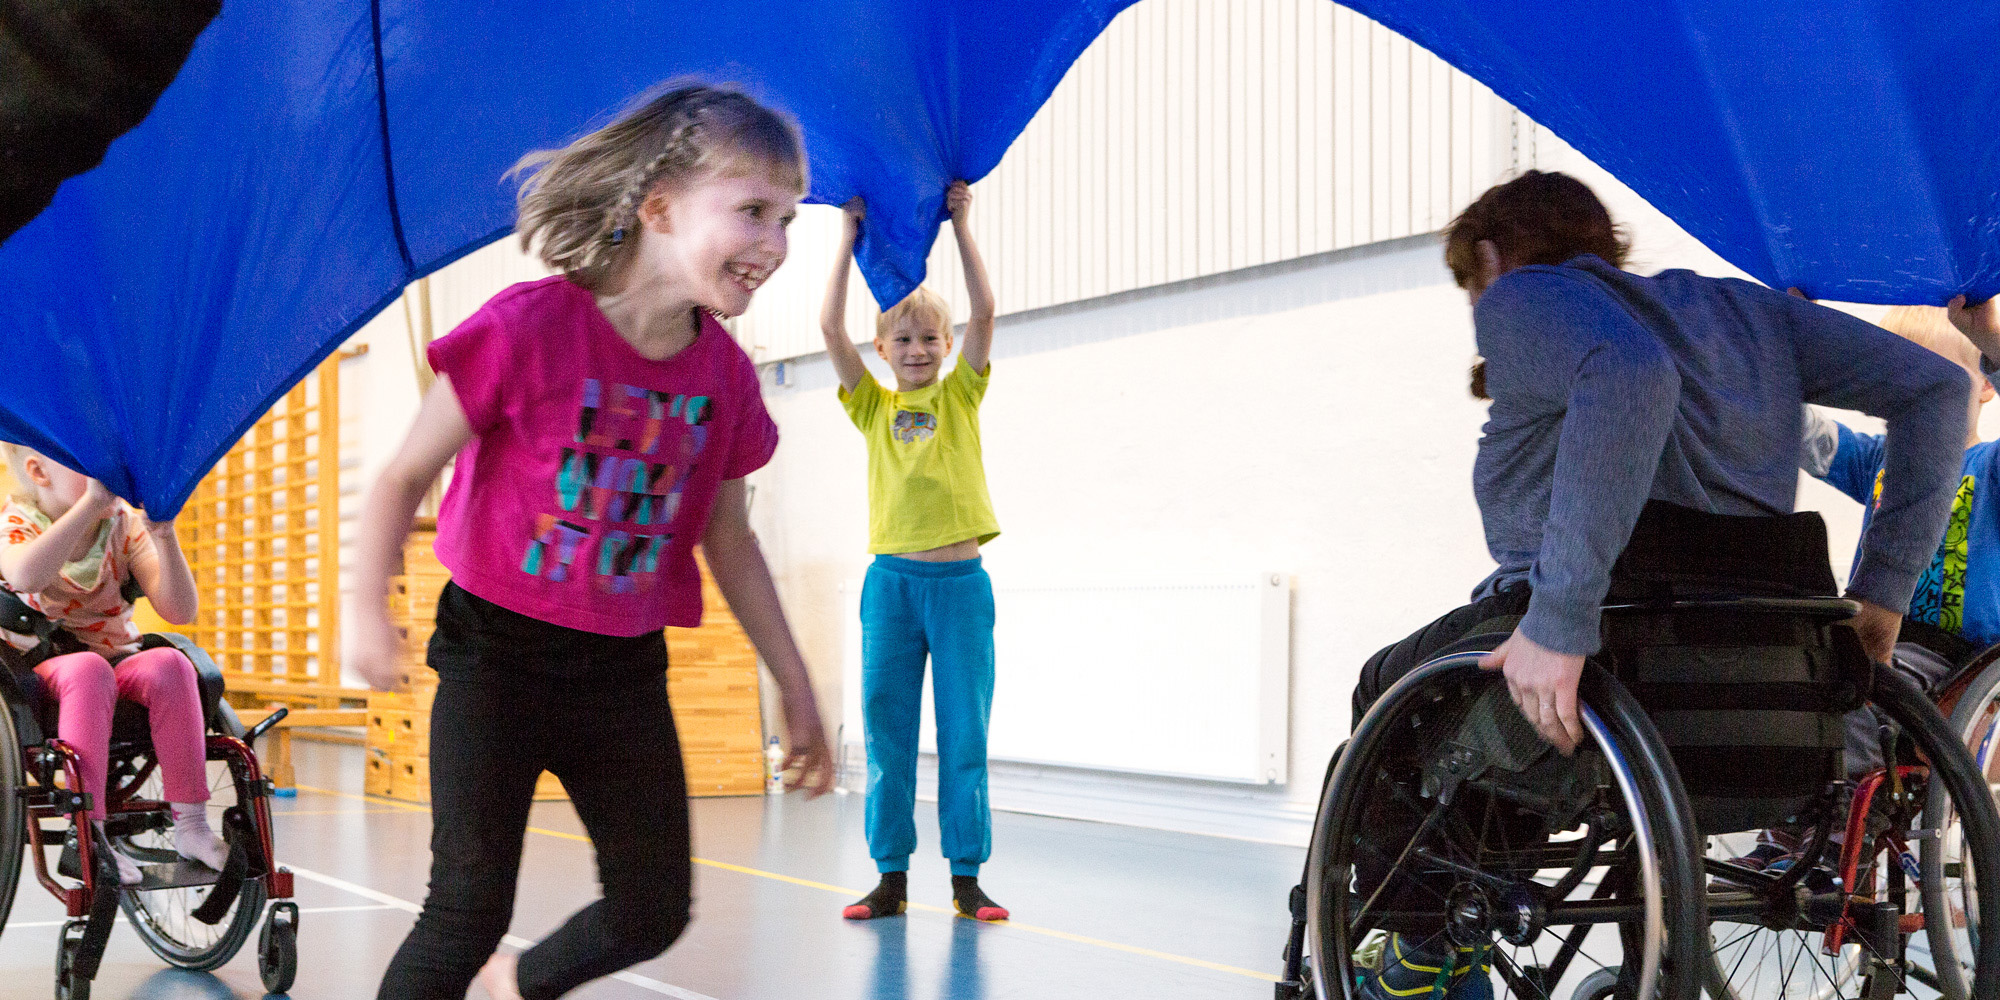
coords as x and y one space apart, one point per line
1855 464
1558 346
1855 365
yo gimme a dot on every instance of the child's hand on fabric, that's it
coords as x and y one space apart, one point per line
852 213
1980 323
958 200
97 502
378 653
1543 684
158 529
806 752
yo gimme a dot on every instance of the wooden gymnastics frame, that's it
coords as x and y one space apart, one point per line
262 534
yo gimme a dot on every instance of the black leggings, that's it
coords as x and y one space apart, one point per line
1498 613
614 747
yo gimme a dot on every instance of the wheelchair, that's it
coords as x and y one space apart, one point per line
190 915
1608 875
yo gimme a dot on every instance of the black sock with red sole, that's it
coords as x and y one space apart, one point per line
973 901
891 897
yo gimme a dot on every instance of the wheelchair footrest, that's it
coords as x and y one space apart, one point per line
179 875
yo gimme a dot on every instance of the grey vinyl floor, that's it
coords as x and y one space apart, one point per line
1100 911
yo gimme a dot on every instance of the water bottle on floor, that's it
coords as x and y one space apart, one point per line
774 768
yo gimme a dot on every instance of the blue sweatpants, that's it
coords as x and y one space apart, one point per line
911 610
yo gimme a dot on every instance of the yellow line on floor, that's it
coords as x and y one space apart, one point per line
844 891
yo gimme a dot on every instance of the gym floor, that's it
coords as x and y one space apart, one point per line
1104 910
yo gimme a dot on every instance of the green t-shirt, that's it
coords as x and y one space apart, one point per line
926 478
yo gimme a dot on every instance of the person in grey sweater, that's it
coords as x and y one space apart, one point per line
1612 391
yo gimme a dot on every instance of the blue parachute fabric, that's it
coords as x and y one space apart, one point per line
250 225
1851 150
313 158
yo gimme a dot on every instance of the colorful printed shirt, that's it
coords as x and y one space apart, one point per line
591 471
926 475
1960 591
85 600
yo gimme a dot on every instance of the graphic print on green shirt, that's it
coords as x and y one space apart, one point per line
1940 596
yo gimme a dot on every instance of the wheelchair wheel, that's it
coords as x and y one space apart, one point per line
13 813
1446 809
1789 951
165 918
1950 886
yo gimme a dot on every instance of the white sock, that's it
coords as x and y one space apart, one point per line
195 839
128 870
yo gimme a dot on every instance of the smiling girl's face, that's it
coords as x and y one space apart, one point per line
718 238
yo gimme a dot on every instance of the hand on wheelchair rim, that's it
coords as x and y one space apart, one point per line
1543 684
1877 627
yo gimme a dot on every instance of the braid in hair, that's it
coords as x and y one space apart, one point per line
579 203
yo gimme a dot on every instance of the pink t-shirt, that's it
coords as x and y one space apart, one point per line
591 471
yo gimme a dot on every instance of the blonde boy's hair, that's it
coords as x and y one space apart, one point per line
923 305
1930 327
14 478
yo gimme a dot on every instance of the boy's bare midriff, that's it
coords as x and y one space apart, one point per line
955 552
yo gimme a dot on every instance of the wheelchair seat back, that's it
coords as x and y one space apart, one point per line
1727 631
34 712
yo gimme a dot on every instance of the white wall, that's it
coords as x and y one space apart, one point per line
1311 416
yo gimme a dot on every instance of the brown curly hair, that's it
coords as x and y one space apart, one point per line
1536 218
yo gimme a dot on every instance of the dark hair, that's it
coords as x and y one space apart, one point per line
1536 218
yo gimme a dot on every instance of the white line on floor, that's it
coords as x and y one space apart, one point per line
396 903
22 924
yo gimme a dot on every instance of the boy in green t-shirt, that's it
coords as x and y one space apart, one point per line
926 595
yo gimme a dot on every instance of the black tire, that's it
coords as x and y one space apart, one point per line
1655 867
164 918
278 948
13 813
1599 985
70 984
1976 720
1971 800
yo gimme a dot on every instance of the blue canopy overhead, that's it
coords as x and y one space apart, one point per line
314 157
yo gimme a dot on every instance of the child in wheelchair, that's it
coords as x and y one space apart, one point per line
68 549
1956 608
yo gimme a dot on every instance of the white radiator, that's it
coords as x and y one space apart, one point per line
1188 679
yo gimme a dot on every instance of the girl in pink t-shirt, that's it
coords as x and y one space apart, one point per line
603 422
67 548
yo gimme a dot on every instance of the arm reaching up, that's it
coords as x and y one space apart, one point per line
833 312
978 347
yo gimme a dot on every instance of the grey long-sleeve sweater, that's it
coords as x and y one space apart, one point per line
1610 389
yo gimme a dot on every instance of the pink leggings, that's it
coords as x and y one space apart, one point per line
87 688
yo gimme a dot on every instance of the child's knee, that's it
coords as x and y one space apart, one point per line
644 928
81 675
158 676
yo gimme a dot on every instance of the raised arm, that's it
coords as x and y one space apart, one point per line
162 571
978 347
31 567
833 312
441 429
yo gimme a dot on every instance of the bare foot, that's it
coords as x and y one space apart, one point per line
498 978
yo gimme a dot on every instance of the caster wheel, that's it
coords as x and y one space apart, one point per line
70 985
1599 985
278 947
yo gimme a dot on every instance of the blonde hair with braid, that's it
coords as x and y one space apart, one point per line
579 205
